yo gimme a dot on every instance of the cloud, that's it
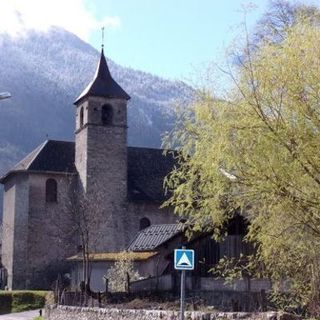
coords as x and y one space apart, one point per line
17 16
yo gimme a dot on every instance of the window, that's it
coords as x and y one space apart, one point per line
106 114
144 223
81 117
51 190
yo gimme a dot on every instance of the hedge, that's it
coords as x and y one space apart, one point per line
16 301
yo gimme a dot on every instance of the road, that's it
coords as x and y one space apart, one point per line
26 315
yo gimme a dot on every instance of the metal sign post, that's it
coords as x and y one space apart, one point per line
183 260
182 294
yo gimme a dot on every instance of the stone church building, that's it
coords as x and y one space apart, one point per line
123 188
100 182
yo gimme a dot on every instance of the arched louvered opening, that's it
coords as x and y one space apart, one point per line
106 114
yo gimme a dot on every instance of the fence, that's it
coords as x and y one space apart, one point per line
171 282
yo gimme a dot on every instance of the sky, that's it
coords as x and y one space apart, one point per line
169 38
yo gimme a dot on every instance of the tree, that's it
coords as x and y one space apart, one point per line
84 218
79 223
257 149
121 273
279 17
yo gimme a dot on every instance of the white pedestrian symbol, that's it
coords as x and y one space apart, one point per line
184 261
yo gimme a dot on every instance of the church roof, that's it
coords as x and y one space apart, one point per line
147 168
50 156
152 237
103 85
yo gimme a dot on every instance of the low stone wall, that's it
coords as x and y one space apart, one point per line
77 313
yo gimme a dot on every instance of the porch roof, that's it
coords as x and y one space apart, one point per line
115 256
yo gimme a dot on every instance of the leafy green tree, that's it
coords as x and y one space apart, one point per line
258 149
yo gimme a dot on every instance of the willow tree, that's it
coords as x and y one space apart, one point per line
258 149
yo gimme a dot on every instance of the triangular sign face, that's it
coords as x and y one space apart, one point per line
184 261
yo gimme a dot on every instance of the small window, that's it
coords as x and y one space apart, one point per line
51 190
81 117
144 223
106 114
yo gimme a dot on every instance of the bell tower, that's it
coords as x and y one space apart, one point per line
101 154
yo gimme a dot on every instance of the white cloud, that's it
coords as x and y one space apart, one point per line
16 16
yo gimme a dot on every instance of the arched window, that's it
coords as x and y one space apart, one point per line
81 117
144 223
51 190
106 114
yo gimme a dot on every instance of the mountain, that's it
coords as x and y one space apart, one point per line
45 71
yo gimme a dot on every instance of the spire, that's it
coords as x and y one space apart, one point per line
103 85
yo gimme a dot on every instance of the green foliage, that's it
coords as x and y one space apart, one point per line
246 266
16 301
258 149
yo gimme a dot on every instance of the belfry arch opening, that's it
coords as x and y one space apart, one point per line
106 114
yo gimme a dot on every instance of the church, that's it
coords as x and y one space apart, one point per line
99 194
123 188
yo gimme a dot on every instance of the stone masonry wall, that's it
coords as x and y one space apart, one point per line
49 239
77 313
15 230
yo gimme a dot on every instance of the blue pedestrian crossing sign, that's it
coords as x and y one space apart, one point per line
183 259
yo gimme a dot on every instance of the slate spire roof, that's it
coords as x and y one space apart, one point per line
103 85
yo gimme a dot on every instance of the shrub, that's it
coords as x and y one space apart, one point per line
16 301
5 302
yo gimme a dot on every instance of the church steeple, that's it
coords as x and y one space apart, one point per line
101 155
103 85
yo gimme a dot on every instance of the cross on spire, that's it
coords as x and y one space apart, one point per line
102 38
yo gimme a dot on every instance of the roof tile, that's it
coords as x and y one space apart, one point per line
154 236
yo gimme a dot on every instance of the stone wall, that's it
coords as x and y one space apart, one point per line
49 239
15 229
77 313
34 231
